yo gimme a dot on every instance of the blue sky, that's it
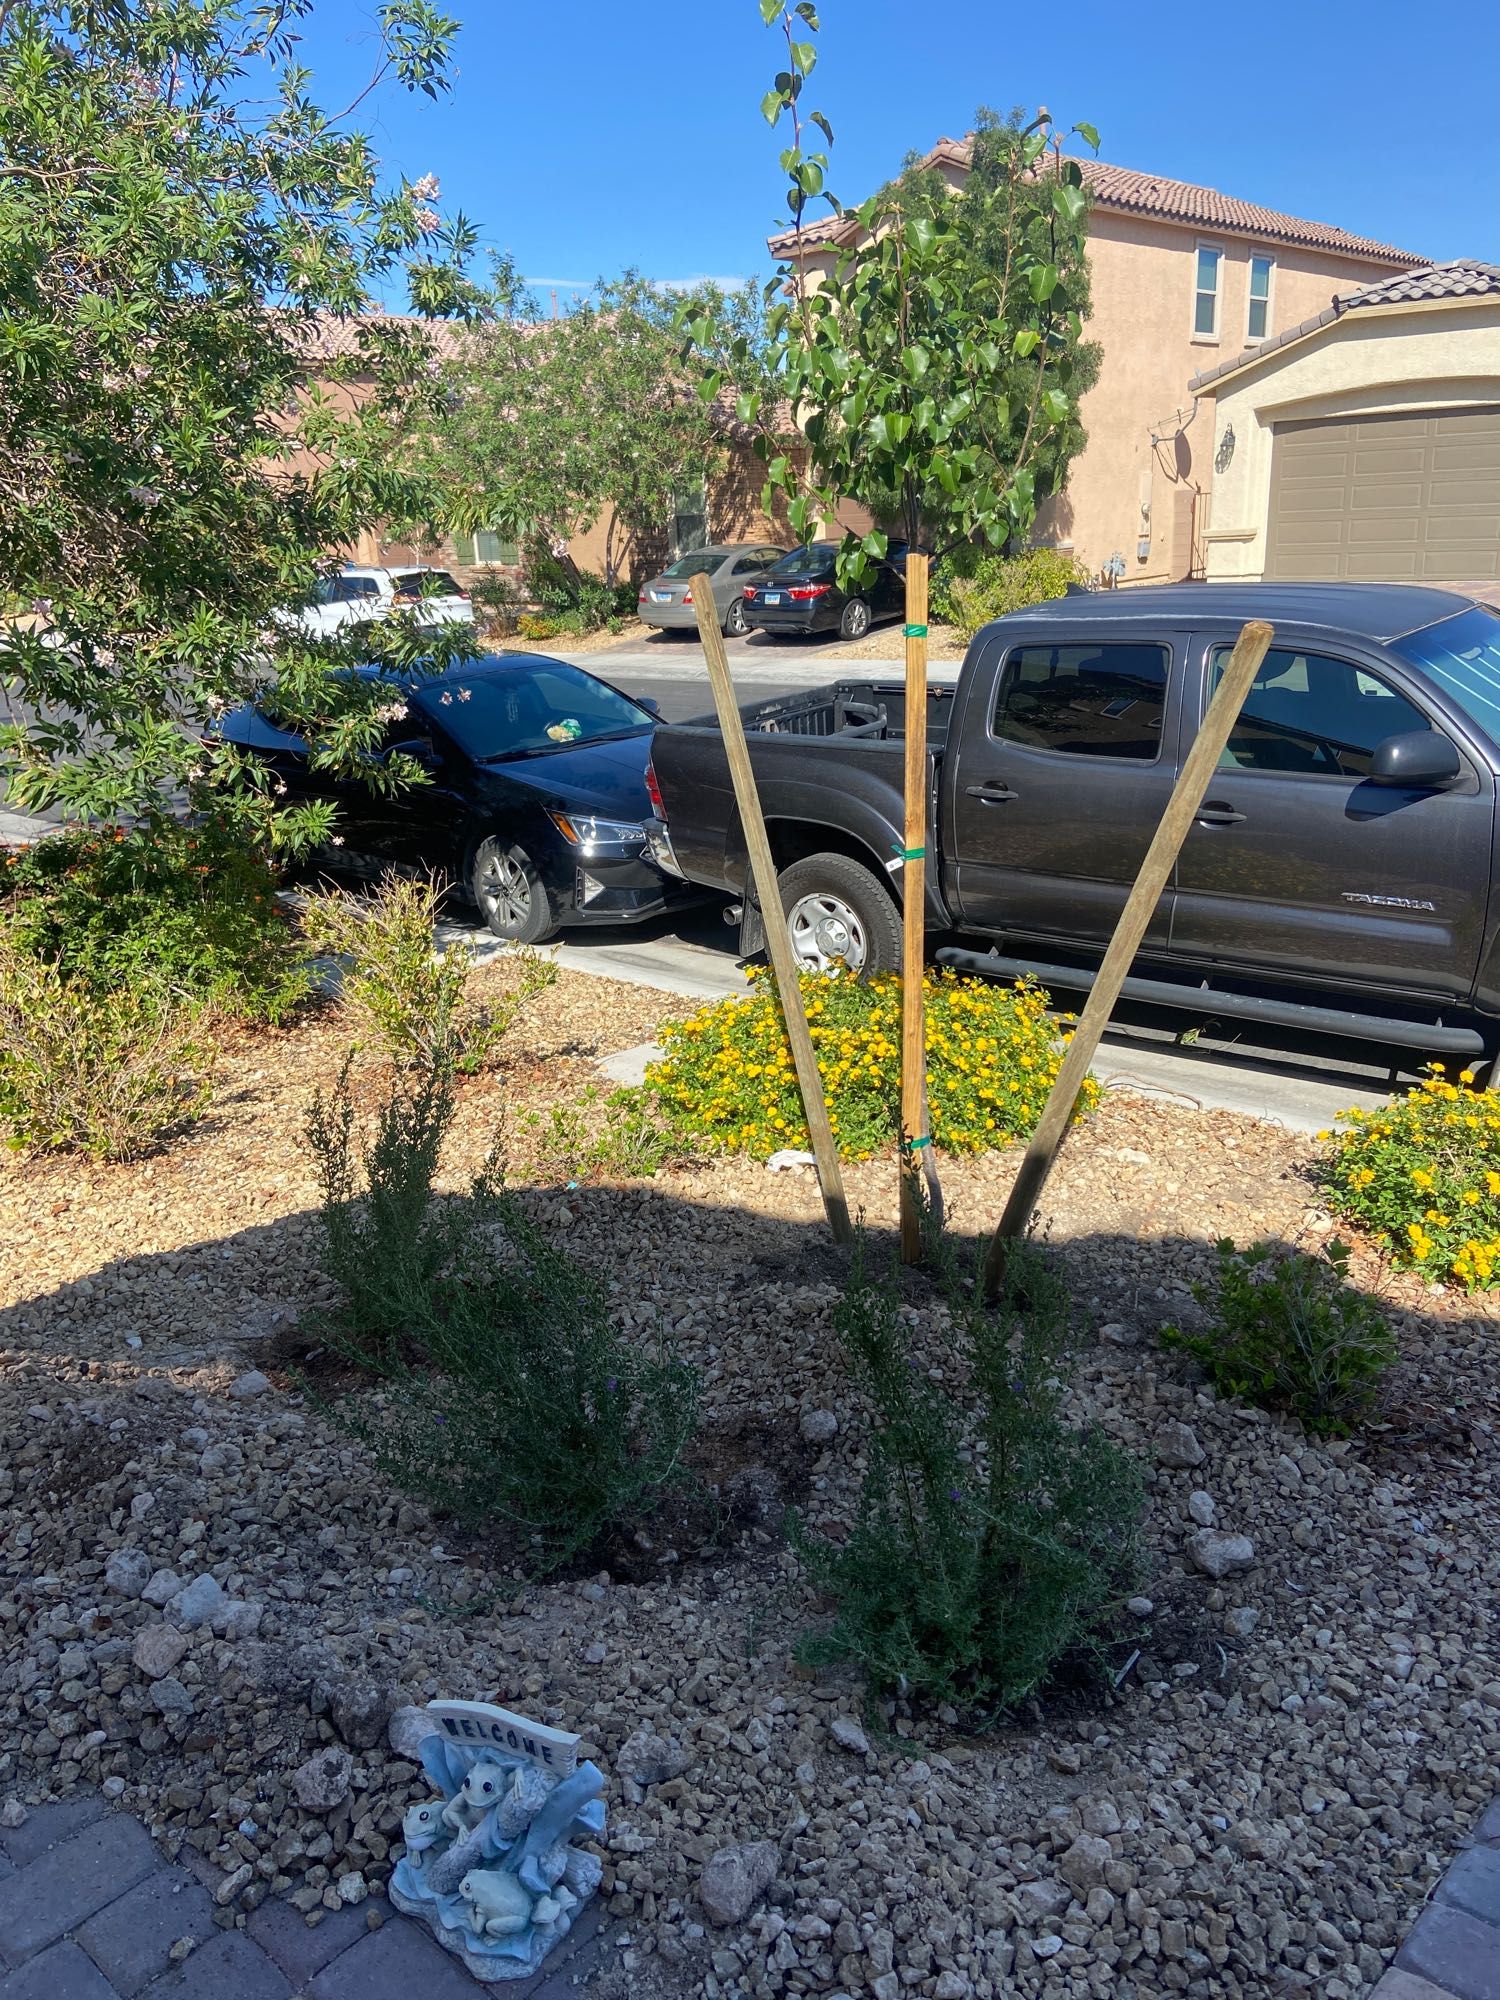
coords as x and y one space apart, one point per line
587 135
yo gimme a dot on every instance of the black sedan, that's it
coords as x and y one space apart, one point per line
802 593
540 781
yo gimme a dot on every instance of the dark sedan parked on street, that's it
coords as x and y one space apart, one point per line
540 781
801 593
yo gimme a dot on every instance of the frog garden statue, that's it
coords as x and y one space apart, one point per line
490 1865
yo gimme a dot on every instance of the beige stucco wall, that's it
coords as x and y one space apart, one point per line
1125 489
1378 360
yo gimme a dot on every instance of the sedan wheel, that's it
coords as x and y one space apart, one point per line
856 619
510 893
735 623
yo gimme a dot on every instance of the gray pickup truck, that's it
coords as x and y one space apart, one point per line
1340 876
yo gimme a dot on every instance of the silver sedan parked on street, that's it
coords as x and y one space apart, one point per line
667 600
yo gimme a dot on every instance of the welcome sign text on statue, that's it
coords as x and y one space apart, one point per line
483 1726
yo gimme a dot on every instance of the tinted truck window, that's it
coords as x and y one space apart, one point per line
1308 713
1089 700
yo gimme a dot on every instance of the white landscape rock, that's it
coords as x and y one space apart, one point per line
407 1730
323 1781
158 1649
1178 1448
734 1880
847 1733
197 1603
251 1383
162 1587
1219 1555
1201 1508
127 1572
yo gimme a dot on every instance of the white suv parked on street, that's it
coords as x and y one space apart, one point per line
358 594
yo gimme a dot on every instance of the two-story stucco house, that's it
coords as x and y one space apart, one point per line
1183 277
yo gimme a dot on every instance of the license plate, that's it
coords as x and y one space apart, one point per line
772 597
661 597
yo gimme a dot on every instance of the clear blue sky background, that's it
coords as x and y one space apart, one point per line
587 135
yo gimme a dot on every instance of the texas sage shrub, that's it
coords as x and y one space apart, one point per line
183 911
727 1079
412 998
506 1395
1423 1174
992 1539
1288 1330
109 1073
971 587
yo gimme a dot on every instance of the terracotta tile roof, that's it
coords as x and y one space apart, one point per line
335 337
1462 278
1126 190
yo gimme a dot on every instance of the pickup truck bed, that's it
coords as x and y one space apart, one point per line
1340 873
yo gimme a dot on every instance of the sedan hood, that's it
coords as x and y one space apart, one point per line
607 778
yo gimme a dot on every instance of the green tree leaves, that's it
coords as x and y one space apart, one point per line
935 369
181 260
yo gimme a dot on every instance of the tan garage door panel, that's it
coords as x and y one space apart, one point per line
1393 499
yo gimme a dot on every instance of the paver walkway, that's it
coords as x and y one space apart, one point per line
90 1911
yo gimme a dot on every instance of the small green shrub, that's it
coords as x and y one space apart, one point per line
104 1073
1290 1332
413 999
386 1243
508 1399
991 1539
727 1078
617 1135
971 587
187 912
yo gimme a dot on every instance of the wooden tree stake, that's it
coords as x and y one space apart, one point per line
778 933
914 1133
1198 769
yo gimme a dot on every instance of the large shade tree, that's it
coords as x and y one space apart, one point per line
181 222
552 426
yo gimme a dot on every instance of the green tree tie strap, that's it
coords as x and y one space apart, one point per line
916 1145
915 631
909 853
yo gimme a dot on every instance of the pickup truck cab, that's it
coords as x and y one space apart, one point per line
1339 876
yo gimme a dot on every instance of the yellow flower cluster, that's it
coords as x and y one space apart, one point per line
1423 1173
993 1051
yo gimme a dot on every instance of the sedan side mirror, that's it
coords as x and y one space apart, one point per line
1420 759
648 702
420 749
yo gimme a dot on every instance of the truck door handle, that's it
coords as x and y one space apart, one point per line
989 795
1215 814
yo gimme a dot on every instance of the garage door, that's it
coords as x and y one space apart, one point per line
1387 499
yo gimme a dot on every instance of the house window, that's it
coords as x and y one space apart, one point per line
1206 292
689 519
1258 324
486 549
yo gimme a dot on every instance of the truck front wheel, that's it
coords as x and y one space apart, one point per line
840 913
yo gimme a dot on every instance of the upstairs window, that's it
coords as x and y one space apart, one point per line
1206 292
1258 320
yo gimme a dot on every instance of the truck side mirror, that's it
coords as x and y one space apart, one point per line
1420 759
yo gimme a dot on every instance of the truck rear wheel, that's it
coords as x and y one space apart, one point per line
841 913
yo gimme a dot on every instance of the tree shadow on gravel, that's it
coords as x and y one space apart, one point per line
748 1299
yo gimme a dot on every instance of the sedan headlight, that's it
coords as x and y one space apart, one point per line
588 831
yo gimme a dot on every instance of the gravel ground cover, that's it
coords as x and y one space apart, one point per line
212 1606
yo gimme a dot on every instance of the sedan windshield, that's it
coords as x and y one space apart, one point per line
817 559
695 562
1463 656
517 711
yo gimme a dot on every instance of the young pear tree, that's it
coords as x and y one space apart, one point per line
934 366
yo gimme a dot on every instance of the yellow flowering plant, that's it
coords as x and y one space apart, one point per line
1423 1174
992 1053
